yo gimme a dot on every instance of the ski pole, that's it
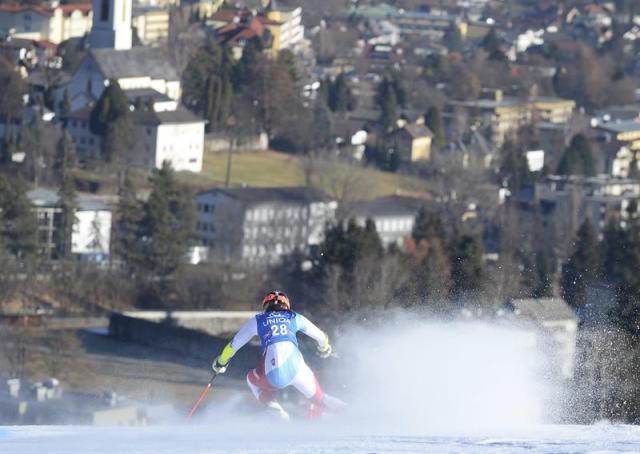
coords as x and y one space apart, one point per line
204 393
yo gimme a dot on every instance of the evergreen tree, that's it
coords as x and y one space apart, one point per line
345 247
427 226
577 158
112 106
389 106
207 85
68 203
339 94
467 267
168 224
65 107
621 262
128 227
453 38
65 158
18 225
491 44
514 168
432 277
241 72
433 120
12 90
111 120
31 143
538 274
583 266
390 95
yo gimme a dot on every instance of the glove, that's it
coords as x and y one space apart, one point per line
325 350
218 368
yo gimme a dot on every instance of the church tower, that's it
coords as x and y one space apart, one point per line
111 25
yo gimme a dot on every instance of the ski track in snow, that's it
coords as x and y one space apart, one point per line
204 439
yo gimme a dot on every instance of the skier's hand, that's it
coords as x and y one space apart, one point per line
218 368
324 351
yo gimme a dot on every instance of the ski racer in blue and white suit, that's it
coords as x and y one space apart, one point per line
281 363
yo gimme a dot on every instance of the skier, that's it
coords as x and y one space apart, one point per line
281 364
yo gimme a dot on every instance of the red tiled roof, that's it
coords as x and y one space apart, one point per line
84 8
16 8
46 44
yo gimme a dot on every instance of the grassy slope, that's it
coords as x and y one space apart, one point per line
269 168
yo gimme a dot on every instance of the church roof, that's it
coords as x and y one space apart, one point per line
136 62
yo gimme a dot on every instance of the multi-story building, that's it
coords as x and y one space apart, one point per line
137 68
505 115
394 217
112 57
176 136
91 232
557 207
286 28
151 25
46 22
412 142
425 25
259 226
279 29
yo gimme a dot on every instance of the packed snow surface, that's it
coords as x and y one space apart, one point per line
412 386
288 439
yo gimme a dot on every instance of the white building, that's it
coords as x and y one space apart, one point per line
394 217
91 232
556 318
43 22
175 136
258 226
137 68
111 25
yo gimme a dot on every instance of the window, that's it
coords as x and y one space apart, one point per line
205 208
104 11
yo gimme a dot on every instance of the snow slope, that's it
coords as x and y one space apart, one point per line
285 439
412 386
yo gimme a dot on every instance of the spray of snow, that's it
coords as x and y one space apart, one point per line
413 376
403 375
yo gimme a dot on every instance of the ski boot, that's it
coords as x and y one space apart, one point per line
275 406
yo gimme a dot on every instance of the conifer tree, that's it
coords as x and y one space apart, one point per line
65 106
68 204
111 119
433 120
18 226
207 84
65 158
340 98
168 224
467 267
128 226
453 38
514 168
582 267
427 226
577 159
432 277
